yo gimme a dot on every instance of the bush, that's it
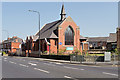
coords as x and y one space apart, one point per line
61 51
45 52
52 54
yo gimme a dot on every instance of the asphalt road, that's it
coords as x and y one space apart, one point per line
14 67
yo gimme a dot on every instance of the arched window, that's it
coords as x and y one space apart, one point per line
69 36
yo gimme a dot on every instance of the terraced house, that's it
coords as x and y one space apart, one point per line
12 45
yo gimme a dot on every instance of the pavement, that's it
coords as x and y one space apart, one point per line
105 64
24 67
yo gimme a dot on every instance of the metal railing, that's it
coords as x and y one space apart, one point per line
83 58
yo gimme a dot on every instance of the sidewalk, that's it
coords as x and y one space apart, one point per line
105 64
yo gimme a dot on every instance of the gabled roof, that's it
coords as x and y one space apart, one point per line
48 30
13 39
112 37
97 39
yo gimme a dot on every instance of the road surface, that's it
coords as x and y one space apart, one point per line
16 67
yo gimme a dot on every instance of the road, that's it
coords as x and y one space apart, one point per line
15 67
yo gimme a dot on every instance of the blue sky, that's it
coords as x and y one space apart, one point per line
93 18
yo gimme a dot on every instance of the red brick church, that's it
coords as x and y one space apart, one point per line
63 34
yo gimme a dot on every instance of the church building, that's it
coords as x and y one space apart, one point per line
62 35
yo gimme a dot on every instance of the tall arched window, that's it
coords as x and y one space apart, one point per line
69 36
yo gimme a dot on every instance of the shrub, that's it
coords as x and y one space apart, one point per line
61 51
44 53
52 54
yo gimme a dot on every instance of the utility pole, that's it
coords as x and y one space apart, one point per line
39 28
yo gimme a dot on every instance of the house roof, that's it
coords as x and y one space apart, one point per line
112 37
13 39
97 39
48 30
81 37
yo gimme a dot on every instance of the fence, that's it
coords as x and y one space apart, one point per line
83 58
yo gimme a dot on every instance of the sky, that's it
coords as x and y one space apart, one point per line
94 18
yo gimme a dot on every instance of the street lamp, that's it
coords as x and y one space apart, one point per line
39 28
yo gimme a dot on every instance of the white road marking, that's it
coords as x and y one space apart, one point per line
23 65
42 70
73 68
59 63
110 74
12 62
32 64
94 66
67 77
82 69
5 58
49 64
70 67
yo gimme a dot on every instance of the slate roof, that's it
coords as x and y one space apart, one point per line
97 39
12 40
48 30
112 37
81 37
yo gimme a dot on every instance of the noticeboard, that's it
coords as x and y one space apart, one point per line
69 48
107 56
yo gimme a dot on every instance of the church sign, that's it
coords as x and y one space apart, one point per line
107 56
69 48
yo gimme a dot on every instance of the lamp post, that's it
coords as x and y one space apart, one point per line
39 28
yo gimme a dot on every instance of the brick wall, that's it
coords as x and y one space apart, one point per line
53 47
61 34
14 46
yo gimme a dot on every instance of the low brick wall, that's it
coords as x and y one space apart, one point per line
57 57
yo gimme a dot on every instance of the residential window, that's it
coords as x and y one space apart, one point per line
69 36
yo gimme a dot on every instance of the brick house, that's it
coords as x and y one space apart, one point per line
118 38
112 41
97 44
102 44
12 45
62 34
84 45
